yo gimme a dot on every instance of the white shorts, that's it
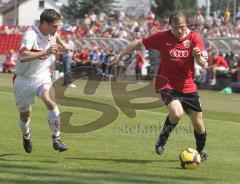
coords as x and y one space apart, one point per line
221 68
25 91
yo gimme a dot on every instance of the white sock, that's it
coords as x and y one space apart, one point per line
54 122
25 128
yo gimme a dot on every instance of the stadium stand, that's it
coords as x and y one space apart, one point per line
9 41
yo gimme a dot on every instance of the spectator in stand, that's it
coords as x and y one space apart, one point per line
10 63
67 63
102 16
230 59
103 62
111 16
236 72
87 22
94 60
121 16
122 33
139 64
199 19
95 56
150 18
110 59
82 60
93 18
84 57
76 59
238 13
235 85
227 16
220 65
232 87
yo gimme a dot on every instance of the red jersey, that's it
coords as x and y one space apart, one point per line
220 61
83 56
177 61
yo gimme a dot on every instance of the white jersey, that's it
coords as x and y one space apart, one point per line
38 69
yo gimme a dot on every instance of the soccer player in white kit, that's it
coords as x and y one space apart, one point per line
33 75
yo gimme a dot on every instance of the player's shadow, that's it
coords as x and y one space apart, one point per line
4 157
7 158
38 174
129 161
132 177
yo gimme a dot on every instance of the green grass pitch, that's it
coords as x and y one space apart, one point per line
122 152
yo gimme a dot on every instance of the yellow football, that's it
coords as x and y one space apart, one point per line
189 158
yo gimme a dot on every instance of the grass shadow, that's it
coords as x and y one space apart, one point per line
129 161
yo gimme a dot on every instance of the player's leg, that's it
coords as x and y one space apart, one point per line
68 71
194 110
104 68
214 72
24 124
24 97
175 114
199 131
46 93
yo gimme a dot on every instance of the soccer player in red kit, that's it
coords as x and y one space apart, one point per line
179 47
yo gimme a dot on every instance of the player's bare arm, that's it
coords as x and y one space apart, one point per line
26 55
131 47
64 45
200 60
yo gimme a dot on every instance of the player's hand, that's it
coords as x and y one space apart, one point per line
123 56
118 57
196 52
53 49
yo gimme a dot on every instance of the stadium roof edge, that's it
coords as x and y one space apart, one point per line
10 5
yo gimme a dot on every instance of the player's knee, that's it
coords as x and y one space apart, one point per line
176 116
51 105
24 116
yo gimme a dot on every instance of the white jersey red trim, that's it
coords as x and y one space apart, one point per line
34 41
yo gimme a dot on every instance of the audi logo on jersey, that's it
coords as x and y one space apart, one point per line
179 53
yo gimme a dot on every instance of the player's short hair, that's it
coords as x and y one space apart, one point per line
49 16
176 16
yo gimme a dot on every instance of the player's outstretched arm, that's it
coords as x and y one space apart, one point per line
131 47
26 55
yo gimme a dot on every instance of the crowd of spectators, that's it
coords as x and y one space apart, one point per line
118 25
217 25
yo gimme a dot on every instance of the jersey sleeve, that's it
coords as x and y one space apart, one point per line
27 40
152 42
